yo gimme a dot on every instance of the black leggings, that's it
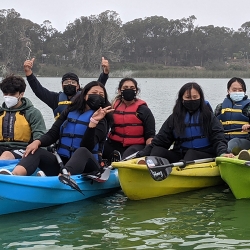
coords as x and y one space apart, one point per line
82 161
175 156
111 145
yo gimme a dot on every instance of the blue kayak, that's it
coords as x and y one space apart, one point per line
8 164
21 193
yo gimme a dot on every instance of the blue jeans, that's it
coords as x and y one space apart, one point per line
235 145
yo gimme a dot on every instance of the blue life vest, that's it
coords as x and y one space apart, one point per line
72 131
63 103
208 104
193 137
232 117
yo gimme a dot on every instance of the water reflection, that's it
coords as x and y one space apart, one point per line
205 219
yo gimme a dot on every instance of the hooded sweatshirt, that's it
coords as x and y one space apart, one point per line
33 117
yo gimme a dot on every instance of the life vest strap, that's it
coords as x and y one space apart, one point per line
64 102
70 135
236 133
190 138
125 136
234 122
124 112
231 110
126 125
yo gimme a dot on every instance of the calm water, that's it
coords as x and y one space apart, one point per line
206 219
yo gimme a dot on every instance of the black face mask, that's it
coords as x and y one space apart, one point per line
69 90
128 94
192 105
95 101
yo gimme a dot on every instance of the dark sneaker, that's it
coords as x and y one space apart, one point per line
116 156
5 171
40 173
244 155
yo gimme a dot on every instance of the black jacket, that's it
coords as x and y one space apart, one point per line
165 138
51 98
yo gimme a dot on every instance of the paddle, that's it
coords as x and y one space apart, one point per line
65 177
115 158
160 168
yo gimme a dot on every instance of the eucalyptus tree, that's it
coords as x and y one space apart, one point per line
90 38
18 38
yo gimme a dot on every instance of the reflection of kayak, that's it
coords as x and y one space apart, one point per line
20 193
236 174
137 183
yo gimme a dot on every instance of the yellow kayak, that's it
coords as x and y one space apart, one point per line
137 183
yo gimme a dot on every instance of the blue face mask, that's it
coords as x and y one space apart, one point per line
237 96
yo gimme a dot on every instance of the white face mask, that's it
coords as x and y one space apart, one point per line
237 96
10 101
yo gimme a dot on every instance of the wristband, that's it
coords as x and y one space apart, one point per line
93 120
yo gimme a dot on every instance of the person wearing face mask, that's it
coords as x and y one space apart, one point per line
134 123
234 113
70 85
79 130
20 121
192 129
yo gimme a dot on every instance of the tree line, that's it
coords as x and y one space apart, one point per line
153 40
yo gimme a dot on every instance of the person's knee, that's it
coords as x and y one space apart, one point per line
19 170
7 155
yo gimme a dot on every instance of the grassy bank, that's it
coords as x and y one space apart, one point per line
144 71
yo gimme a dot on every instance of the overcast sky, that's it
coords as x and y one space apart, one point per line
227 13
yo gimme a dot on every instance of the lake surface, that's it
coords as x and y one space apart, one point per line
210 218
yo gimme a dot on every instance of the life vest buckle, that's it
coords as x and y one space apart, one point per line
72 120
7 139
72 149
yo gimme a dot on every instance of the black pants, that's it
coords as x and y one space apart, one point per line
82 161
111 145
175 156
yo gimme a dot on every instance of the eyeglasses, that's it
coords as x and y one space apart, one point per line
69 81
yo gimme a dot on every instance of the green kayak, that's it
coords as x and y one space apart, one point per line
236 173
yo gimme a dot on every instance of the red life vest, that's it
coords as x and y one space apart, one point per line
127 128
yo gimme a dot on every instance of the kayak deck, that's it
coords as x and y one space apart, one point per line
137 183
236 174
21 193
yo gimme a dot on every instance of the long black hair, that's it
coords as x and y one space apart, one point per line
122 81
79 103
239 80
179 111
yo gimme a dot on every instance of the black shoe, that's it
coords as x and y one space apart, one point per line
116 156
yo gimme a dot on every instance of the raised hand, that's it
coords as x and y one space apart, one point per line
27 66
105 65
101 112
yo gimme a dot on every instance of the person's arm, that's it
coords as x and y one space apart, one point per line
146 116
103 78
246 111
165 136
218 109
53 134
48 97
105 75
217 136
94 135
36 123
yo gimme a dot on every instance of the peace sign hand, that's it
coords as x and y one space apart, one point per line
101 112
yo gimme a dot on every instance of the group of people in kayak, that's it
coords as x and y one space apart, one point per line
88 128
